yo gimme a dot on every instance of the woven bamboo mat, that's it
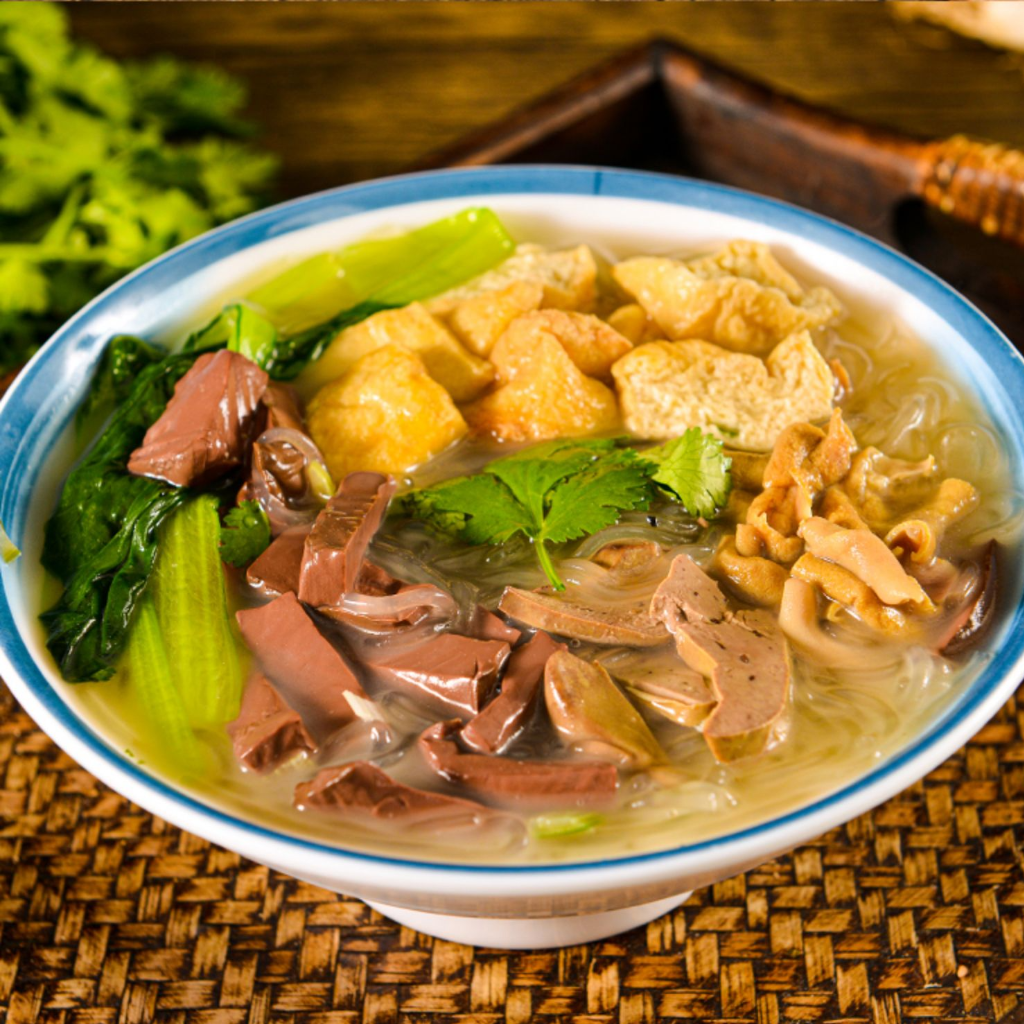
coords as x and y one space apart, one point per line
912 913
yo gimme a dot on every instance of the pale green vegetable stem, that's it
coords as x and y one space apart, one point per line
190 595
150 678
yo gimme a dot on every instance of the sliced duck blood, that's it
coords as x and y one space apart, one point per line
591 714
485 625
743 654
276 571
528 784
974 618
267 732
340 536
310 673
450 673
494 729
363 793
282 407
375 581
207 425
630 627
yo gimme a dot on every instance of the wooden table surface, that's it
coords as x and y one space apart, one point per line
354 90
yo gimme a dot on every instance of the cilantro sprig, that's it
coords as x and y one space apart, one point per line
563 490
245 534
694 469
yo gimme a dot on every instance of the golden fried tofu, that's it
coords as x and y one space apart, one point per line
632 322
740 298
752 260
542 395
480 320
457 370
665 387
568 276
591 344
385 413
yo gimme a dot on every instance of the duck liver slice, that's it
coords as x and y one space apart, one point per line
744 654
312 676
687 593
454 674
364 793
267 732
207 425
503 719
536 784
632 628
340 536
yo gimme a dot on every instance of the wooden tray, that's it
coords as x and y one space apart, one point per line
955 205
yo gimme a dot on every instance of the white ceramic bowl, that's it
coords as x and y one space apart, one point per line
527 906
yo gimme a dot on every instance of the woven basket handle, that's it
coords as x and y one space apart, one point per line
981 183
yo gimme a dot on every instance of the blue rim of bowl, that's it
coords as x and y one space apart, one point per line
1005 363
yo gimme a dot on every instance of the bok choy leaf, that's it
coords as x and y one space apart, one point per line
191 602
149 675
391 271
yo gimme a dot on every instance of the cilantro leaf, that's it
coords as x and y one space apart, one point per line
550 493
694 469
245 534
478 509
589 501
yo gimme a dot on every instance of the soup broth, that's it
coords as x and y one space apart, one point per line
839 721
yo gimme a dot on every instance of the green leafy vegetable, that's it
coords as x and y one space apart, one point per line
555 826
88 627
99 491
191 602
101 542
241 329
694 470
377 275
391 271
8 551
124 359
103 166
245 534
551 493
151 681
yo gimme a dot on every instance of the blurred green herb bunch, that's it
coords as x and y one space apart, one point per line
104 165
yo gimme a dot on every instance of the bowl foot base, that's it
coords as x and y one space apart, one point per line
528 932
